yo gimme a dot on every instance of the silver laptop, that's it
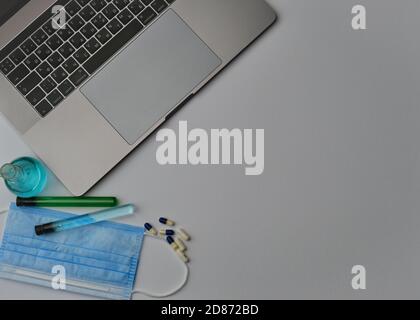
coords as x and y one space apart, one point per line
84 88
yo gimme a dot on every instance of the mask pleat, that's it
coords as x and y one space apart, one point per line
119 263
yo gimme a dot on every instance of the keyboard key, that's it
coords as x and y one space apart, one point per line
146 2
92 45
65 33
18 74
6 66
43 108
43 52
55 59
78 77
147 16
48 84
66 88
99 21
77 40
55 98
159 5
29 83
28 46
88 30
35 96
121 4
81 55
83 2
66 50
54 42
59 75
136 7
32 61
87 13
76 23
17 56
114 26
39 37
70 65
110 11
44 69
98 5
48 28
60 22
72 8
109 49
125 16
103 36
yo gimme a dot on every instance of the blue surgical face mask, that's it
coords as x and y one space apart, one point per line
99 259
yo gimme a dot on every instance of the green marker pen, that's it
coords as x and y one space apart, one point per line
68 202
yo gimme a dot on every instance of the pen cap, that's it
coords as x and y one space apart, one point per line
25 202
43 229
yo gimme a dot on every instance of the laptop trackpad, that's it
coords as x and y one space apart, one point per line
151 76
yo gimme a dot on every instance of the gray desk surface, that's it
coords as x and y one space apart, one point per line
342 170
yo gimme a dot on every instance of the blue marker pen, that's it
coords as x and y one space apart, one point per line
83 220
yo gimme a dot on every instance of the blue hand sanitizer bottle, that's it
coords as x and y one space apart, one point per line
26 177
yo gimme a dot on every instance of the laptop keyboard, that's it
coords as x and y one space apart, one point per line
46 65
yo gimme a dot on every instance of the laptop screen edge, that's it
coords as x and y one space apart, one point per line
9 8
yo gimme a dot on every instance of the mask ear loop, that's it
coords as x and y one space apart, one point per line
168 293
4 210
